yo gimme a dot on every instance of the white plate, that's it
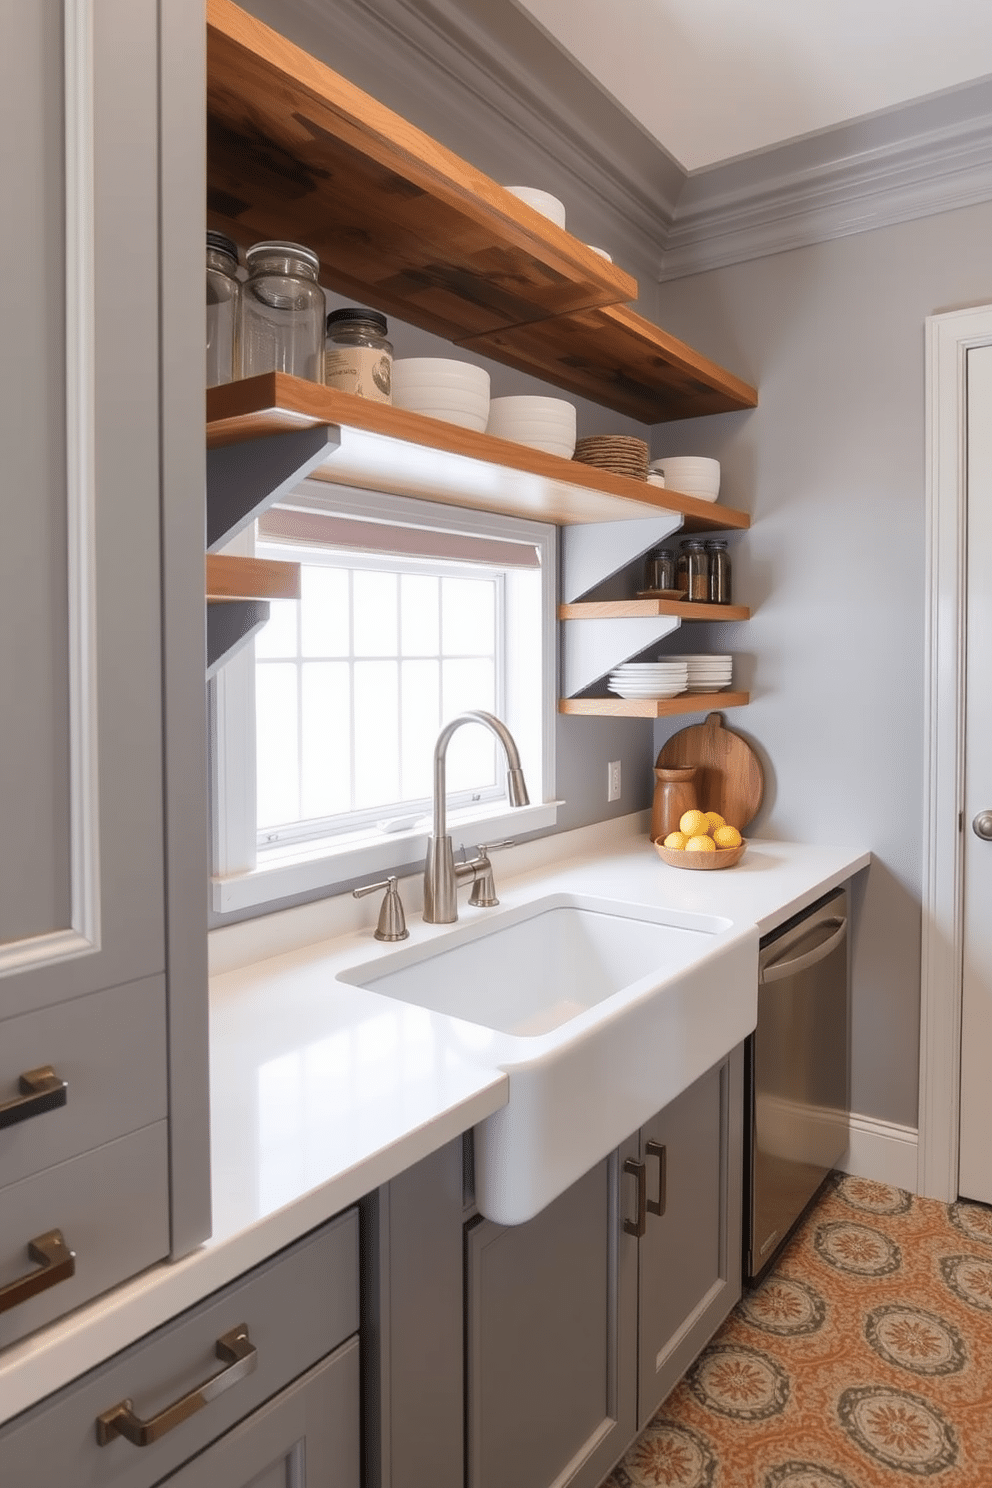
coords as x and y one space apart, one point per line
641 697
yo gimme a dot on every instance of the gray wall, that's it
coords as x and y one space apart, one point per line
831 466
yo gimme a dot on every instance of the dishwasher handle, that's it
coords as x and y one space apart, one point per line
774 971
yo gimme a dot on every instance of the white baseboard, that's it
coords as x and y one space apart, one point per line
882 1150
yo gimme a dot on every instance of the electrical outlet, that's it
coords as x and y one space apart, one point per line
613 781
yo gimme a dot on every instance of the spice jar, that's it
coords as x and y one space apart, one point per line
282 312
719 571
223 309
357 356
682 567
660 569
697 571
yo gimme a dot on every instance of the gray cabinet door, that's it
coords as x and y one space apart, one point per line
306 1437
549 1368
689 1258
101 567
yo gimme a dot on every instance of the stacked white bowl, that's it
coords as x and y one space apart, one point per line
443 389
546 424
649 679
694 475
542 201
708 673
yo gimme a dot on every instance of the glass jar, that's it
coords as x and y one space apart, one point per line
682 568
282 312
660 569
697 571
719 572
223 309
357 356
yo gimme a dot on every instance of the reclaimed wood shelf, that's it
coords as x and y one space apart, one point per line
231 577
296 151
617 707
407 454
616 357
399 222
634 609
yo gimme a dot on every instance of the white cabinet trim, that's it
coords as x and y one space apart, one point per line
82 935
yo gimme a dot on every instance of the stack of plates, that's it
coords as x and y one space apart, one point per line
649 679
709 673
619 453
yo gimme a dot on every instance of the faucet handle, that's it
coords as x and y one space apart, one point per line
483 894
485 848
392 921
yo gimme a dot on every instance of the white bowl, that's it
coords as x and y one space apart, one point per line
542 201
601 251
693 474
468 400
527 405
465 418
440 372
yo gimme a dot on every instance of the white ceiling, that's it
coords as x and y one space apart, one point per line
712 80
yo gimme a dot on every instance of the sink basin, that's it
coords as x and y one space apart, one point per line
599 1012
539 970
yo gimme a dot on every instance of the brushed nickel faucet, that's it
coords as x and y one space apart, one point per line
441 875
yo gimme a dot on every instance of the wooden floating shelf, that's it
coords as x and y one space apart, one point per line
295 151
407 454
617 707
633 609
230 577
616 357
399 222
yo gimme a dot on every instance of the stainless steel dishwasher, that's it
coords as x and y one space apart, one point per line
797 1081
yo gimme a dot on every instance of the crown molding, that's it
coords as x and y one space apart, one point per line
932 156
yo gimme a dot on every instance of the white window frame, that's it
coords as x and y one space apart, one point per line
244 876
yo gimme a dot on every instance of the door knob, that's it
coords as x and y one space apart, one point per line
982 826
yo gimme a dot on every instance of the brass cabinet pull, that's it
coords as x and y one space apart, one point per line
41 1090
660 1151
56 1262
637 1227
241 1358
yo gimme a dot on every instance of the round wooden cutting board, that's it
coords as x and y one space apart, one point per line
730 778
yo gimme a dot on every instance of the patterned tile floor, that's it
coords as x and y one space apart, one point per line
864 1360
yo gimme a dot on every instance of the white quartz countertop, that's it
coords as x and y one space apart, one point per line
321 1091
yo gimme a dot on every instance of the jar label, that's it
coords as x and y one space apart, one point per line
359 369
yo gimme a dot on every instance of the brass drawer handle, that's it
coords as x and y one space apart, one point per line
241 1358
660 1151
56 1262
41 1090
637 1227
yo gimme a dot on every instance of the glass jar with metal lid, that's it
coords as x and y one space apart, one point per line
719 571
282 312
357 356
223 309
697 571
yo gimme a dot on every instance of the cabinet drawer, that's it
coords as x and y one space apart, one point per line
112 1207
296 1308
308 1436
109 1048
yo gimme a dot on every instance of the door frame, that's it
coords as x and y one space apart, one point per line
949 338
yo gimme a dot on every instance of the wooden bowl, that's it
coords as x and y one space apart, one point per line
721 857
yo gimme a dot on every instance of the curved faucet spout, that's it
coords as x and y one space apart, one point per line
440 879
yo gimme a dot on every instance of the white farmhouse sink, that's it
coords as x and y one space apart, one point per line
599 1012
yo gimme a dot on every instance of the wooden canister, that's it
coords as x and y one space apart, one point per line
674 794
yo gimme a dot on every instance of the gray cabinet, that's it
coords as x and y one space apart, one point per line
280 1348
102 769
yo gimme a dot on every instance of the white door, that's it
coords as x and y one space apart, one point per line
975 1156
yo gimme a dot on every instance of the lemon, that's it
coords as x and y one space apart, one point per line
700 844
693 823
727 837
715 820
677 840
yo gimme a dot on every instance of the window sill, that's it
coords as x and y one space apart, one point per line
285 872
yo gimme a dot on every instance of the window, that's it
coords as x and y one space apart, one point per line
324 737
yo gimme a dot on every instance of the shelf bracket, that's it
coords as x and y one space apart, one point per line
591 648
244 480
592 551
231 623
